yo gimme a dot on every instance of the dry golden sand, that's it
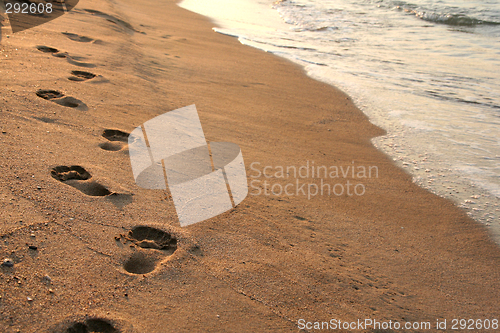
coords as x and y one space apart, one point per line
396 253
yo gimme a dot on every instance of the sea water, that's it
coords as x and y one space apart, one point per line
428 72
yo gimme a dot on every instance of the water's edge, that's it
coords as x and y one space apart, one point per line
476 202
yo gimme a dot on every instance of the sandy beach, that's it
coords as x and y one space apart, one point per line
73 221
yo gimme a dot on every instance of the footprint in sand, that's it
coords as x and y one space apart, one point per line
79 178
121 23
81 76
76 62
47 49
71 59
117 140
81 39
149 246
59 98
92 325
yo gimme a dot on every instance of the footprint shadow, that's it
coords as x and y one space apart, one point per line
92 324
79 178
119 22
73 61
117 140
80 39
47 49
150 246
59 54
81 76
59 98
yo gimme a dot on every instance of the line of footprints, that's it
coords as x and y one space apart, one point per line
57 96
149 246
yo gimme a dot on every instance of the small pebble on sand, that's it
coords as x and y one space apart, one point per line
7 262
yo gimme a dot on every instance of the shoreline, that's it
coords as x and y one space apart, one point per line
396 253
428 169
